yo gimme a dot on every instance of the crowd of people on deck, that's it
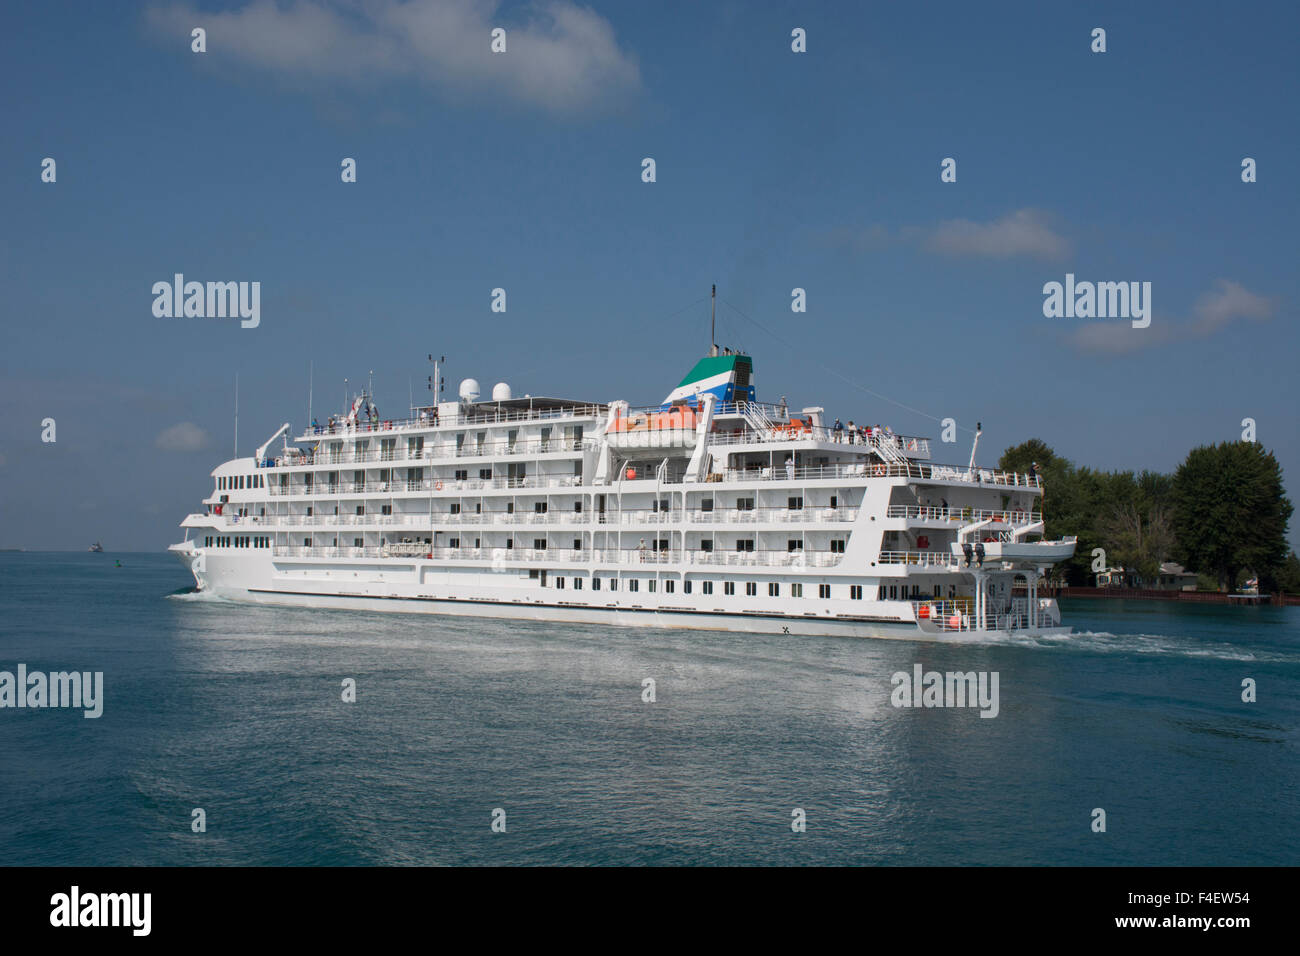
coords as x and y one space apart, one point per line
864 434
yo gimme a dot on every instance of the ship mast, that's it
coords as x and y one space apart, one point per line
713 321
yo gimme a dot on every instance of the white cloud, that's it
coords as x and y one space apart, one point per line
185 436
1224 304
1025 232
560 57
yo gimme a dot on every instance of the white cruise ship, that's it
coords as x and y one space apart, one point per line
710 510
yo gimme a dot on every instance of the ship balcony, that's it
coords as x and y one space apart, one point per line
429 486
460 419
923 559
861 470
431 455
929 517
549 557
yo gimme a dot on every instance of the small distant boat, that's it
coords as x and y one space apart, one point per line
96 548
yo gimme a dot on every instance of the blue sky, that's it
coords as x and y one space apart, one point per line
522 170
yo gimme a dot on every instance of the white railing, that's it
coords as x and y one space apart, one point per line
428 485
921 558
959 615
961 514
459 419
632 557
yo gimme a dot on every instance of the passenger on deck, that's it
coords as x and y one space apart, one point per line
853 432
837 431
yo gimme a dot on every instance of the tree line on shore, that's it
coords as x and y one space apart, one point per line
1222 514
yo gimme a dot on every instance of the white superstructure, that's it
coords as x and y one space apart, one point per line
711 510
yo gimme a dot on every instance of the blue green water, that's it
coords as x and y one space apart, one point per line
237 709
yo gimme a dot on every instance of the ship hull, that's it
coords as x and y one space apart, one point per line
230 580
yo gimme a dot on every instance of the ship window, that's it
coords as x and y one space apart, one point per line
706 544
361 509
745 504
539 544
633 584
653 584
855 592
837 545
707 586
510 507
794 544
577 584
938 589
823 590
595 584
358 542
387 509
532 572
744 544
306 542
669 586
893 592
686 587
796 503
751 588
453 542
773 589
796 590
539 507
485 474
510 543
478 508
309 511
577 544
559 583
662 544
577 506
454 508
881 591
613 584
728 587
706 504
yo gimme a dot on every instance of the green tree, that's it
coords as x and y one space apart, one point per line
1070 497
1287 577
1230 512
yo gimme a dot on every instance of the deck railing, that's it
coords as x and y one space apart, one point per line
961 514
632 557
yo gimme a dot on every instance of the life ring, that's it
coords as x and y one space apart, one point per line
437 486
881 470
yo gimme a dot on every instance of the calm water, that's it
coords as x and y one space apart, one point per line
237 710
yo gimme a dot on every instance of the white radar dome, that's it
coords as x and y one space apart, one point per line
500 392
469 390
